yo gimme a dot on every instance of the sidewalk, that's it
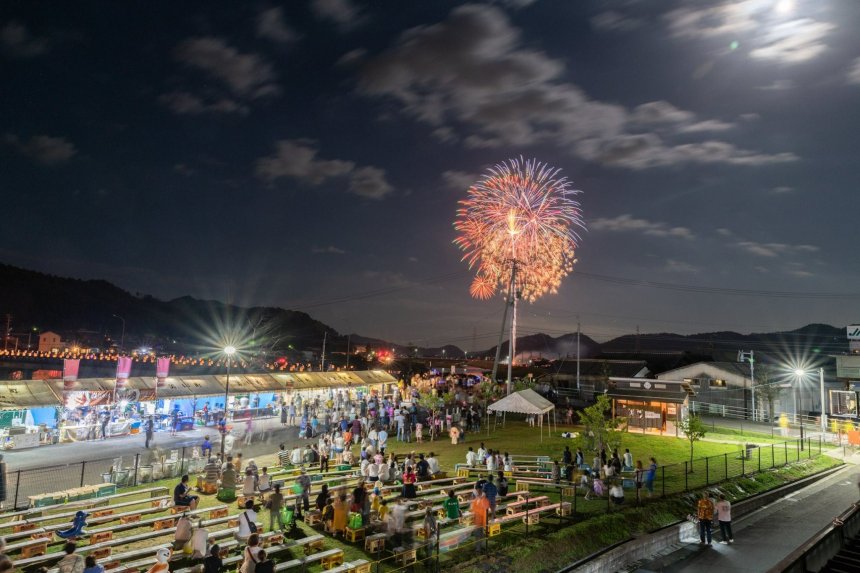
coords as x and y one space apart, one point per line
268 433
768 535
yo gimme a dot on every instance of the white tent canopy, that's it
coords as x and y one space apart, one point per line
526 402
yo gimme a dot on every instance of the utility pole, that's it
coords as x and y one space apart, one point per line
322 362
637 339
348 336
7 331
578 329
749 356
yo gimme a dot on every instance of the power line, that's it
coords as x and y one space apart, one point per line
719 290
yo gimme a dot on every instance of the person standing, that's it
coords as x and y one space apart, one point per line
275 503
639 478
479 507
150 430
303 498
249 430
324 455
705 513
105 420
724 516
490 492
650 475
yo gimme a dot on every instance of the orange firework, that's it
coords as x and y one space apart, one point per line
482 288
519 213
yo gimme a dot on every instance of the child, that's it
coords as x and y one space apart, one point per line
383 509
419 436
90 565
264 564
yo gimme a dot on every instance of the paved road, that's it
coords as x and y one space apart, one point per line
268 434
766 536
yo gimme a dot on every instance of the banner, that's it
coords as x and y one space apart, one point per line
162 369
71 366
82 399
123 371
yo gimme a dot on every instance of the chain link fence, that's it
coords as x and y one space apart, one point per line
126 471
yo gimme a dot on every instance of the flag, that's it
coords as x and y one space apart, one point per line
71 366
123 370
162 368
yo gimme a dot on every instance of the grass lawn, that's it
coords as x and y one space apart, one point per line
595 524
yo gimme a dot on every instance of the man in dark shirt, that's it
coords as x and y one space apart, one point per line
490 492
422 468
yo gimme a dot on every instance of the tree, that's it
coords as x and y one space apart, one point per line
694 428
599 430
767 391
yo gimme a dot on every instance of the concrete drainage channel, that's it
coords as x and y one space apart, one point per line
628 555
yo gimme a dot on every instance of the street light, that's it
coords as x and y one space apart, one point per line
229 351
122 335
800 373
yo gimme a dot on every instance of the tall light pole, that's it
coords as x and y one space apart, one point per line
229 351
823 403
800 374
122 335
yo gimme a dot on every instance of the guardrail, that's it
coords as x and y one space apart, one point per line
823 546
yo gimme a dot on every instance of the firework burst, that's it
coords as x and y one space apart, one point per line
520 212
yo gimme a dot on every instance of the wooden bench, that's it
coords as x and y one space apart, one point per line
517 506
405 555
100 537
374 543
332 559
229 562
353 535
26 562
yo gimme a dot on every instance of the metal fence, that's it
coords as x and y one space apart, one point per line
127 471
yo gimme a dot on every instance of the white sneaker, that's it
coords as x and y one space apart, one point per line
724 542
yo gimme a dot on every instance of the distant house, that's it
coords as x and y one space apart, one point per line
725 389
593 375
50 341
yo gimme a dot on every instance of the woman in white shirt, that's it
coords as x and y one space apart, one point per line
264 483
508 464
491 463
249 484
251 554
246 518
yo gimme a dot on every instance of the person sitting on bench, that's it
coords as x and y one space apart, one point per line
181 497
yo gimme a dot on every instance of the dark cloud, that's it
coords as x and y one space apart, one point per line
44 149
17 41
271 25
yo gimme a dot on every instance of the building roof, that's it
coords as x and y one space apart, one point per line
36 393
523 402
649 390
741 369
595 367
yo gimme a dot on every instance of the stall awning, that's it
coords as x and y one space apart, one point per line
523 402
36 393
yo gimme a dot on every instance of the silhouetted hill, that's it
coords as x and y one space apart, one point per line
545 346
91 307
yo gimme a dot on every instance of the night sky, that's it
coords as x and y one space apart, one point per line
311 155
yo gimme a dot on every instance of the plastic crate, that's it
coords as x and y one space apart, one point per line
106 489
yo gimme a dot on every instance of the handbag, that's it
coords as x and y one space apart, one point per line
355 521
252 527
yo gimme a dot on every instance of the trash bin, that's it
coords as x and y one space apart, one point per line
144 474
120 477
749 450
